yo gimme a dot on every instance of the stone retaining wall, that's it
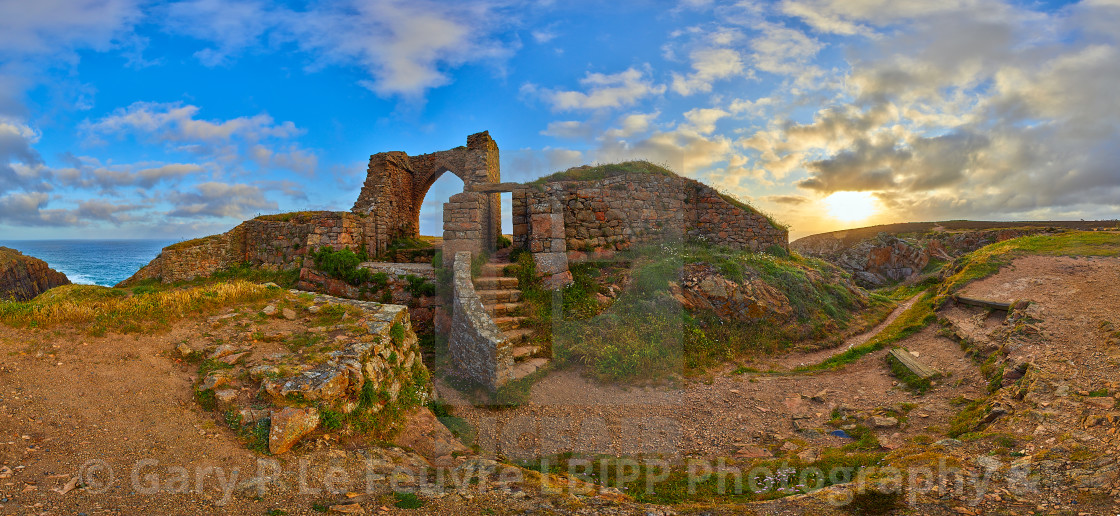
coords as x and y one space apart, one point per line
478 349
618 212
382 359
396 290
277 242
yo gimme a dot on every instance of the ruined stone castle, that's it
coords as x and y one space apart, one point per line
555 221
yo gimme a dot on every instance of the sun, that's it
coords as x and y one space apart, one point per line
851 206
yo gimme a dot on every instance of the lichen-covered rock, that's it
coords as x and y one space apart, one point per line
24 277
288 426
324 383
702 287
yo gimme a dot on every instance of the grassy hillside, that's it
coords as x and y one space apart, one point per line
849 237
147 307
979 264
624 319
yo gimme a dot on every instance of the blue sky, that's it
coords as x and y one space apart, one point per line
130 119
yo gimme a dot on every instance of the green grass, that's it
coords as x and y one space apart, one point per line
599 172
343 265
407 501
630 475
604 171
645 334
301 217
99 310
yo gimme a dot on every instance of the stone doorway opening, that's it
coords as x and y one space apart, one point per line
431 209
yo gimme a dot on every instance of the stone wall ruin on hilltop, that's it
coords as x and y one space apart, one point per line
396 184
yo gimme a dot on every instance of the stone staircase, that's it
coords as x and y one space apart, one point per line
502 300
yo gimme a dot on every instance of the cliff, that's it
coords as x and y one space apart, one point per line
24 277
881 255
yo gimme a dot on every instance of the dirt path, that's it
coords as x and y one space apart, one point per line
569 412
794 360
109 426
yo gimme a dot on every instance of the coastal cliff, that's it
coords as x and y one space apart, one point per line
24 277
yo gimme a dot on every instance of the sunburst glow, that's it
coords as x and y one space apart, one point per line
851 206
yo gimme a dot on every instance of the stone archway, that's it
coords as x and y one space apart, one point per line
396 184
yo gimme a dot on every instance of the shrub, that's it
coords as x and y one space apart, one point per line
343 265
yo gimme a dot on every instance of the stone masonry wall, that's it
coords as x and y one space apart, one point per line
275 242
617 212
477 347
538 225
462 225
396 184
396 289
288 391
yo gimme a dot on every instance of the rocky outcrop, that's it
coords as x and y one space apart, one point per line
359 369
886 258
702 287
24 277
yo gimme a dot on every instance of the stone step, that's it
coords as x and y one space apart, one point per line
526 368
490 270
524 352
494 283
499 296
499 309
508 323
518 336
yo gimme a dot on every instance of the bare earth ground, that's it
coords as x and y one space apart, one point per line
66 400
725 417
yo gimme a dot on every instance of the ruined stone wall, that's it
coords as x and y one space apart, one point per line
396 184
538 225
462 225
385 359
618 212
278 242
24 277
477 347
397 289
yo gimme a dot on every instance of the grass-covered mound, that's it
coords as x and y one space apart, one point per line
626 321
146 307
604 171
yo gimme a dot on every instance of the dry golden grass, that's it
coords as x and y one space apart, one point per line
97 310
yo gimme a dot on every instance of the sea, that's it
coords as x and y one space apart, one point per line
92 262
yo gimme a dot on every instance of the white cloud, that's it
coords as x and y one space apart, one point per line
572 129
49 26
175 122
783 51
216 199
256 138
708 66
603 91
704 119
405 46
632 124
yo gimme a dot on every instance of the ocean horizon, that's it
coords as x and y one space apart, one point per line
90 261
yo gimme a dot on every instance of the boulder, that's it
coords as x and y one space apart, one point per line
324 383
288 426
423 432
